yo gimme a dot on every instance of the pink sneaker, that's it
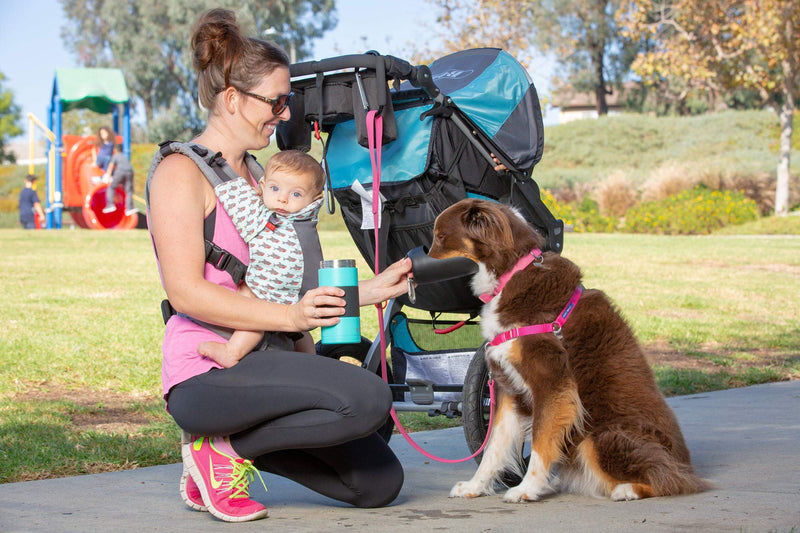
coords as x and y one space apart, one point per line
223 481
190 493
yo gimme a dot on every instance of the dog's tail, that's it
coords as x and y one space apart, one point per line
666 475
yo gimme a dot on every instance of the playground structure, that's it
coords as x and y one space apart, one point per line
74 183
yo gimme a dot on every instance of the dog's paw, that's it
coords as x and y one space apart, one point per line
624 492
468 489
527 492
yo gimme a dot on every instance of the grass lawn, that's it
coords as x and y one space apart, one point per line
80 349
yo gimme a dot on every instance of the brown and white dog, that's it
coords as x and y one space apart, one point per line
586 395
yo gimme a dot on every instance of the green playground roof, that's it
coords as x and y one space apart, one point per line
98 89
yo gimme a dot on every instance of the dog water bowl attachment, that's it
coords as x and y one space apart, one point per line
426 269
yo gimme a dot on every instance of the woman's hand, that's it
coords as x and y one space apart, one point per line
318 307
390 283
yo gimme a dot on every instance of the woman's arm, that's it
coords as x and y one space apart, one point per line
180 198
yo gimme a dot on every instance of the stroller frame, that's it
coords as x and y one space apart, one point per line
367 77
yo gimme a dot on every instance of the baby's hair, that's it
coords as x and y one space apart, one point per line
297 162
223 57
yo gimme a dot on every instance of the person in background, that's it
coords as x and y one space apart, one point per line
119 173
29 205
104 146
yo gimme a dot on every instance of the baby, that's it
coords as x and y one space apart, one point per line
291 193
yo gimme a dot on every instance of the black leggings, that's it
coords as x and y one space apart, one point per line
305 417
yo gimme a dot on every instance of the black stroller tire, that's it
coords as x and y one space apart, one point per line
358 351
476 409
475 402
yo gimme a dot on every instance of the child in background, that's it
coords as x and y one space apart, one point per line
120 172
291 192
105 147
29 205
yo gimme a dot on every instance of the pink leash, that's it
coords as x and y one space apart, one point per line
375 140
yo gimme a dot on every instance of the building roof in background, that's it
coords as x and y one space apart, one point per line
567 97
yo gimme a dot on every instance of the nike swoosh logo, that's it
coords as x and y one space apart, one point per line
215 483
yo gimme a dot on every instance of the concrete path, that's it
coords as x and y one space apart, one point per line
746 441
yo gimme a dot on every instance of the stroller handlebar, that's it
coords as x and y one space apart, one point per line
385 67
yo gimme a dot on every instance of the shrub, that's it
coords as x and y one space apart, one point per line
615 195
667 180
590 219
559 209
691 212
582 217
571 192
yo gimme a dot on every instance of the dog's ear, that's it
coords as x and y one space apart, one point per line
486 224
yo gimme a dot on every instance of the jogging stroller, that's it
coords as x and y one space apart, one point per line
443 126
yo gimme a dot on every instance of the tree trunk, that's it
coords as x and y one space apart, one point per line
148 111
786 115
600 81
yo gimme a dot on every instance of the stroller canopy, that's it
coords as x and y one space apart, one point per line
495 91
487 84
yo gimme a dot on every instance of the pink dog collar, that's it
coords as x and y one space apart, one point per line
524 261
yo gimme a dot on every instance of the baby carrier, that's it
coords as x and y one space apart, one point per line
217 171
404 143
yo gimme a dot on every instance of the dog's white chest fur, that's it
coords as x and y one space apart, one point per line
490 328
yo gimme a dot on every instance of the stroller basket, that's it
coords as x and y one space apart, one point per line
419 353
442 128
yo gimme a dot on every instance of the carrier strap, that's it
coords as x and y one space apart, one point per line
221 259
217 171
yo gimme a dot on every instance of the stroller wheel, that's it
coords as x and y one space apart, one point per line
356 354
476 407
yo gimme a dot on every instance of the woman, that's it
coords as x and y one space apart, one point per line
305 417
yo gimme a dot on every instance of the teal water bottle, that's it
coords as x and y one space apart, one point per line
342 273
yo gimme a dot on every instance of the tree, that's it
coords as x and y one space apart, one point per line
481 23
581 33
724 45
149 41
584 37
9 121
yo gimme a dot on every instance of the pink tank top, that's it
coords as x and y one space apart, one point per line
180 358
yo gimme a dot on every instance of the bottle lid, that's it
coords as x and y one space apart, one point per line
338 263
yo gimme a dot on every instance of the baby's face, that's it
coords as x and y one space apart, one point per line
286 193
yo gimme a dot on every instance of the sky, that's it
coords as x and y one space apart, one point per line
31 47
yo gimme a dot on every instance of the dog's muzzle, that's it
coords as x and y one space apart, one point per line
427 269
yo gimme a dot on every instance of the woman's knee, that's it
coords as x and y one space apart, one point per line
385 488
374 400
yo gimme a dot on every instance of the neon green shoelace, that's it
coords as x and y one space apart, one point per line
243 473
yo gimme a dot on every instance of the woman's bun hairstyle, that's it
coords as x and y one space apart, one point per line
223 57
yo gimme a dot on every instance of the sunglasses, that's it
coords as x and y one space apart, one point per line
278 104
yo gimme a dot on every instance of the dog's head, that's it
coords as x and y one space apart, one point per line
489 233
